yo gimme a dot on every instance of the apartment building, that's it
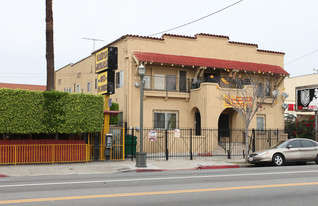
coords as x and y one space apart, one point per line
184 79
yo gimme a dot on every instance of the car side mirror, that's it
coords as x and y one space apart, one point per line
289 146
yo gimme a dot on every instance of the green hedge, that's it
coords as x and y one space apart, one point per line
35 112
114 120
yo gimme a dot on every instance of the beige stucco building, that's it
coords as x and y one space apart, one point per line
185 79
290 84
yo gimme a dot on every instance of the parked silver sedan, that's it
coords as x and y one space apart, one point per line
293 150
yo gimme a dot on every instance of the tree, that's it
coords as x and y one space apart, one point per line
49 46
246 93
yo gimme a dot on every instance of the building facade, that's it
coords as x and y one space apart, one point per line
184 81
290 85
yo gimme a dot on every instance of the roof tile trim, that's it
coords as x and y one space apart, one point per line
247 44
181 36
277 52
208 62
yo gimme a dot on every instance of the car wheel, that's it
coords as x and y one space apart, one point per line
317 160
278 160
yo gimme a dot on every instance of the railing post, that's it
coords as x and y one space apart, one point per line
253 136
191 155
270 138
132 144
277 135
53 153
15 154
229 150
166 145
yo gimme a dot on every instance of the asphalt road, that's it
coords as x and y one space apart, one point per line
288 185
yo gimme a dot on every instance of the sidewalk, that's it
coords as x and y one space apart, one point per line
107 167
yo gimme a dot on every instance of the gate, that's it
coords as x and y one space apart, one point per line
165 144
117 152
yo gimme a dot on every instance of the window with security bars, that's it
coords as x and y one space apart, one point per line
260 122
166 119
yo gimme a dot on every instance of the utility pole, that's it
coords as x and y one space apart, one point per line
94 40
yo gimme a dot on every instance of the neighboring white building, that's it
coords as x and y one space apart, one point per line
290 88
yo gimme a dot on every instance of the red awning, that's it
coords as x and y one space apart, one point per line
207 62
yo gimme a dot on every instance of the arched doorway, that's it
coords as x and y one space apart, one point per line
197 123
224 124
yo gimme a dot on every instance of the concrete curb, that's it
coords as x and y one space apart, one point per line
201 167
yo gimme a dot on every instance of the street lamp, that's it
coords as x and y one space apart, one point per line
141 156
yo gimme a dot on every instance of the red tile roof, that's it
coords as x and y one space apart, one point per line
207 62
23 86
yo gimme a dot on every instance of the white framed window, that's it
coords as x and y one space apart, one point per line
166 119
120 79
78 88
88 86
147 82
159 81
260 122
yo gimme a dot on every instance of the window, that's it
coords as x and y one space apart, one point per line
120 79
307 143
88 86
295 144
259 90
95 83
268 89
69 90
260 122
171 83
78 88
65 89
159 82
147 82
166 119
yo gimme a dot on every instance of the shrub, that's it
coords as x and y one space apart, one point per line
35 112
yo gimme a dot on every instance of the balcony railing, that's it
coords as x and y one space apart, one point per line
166 83
226 82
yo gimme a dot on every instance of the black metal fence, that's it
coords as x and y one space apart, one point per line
188 143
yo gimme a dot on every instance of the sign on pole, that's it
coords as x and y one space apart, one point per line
106 62
307 98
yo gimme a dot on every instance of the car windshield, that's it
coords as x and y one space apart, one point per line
281 144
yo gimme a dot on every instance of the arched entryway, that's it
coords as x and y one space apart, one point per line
224 124
197 123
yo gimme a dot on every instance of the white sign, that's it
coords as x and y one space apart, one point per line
177 133
152 135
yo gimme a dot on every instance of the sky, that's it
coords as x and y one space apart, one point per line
289 26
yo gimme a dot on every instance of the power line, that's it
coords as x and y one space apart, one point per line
301 57
197 19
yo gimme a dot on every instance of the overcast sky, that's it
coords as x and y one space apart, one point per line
289 26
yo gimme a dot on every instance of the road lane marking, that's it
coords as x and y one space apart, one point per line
157 178
156 193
